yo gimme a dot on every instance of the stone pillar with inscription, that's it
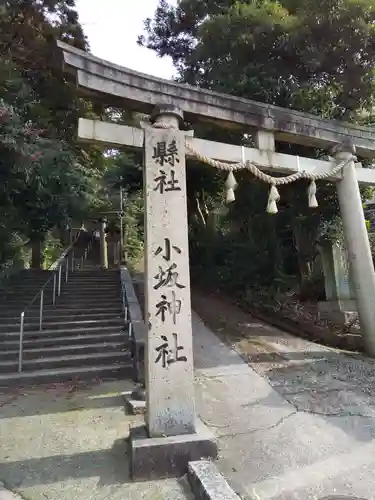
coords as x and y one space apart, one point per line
169 375
172 435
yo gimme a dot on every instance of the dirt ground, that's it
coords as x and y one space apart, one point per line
299 319
252 338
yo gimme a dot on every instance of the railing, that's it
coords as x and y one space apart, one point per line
60 272
134 319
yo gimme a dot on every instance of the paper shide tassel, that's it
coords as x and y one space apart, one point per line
311 193
231 185
273 198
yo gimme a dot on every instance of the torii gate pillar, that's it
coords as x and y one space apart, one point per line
172 435
357 244
103 245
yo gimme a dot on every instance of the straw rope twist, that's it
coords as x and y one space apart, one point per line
254 168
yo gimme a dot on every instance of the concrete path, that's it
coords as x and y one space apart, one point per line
301 427
69 443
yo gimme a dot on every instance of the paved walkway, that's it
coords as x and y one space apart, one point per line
298 425
301 427
69 443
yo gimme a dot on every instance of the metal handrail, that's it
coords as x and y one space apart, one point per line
64 253
56 269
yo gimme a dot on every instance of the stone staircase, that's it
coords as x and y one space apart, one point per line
83 334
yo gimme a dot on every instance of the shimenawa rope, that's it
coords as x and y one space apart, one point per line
274 195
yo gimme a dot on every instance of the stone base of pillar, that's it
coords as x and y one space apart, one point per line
135 401
157 458
337 311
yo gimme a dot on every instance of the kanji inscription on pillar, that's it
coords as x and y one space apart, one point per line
169 379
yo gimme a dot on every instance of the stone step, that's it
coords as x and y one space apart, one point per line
26 277
22 298
94 282
92 273
22 291
28 284
117 370
95 285
70 285
28 335
90 304
70 301
79 291
63 325
49 363
25 286
89 299
70 340
63 350
58 310
60 316
74 308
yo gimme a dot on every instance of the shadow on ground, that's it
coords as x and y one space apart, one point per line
111 466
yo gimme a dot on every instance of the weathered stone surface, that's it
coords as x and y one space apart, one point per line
113 134
155 458
310 435
169 370
207 482
339 312
68 442
137 330
127 283
7 494
337 279
133 405
118 85
340 304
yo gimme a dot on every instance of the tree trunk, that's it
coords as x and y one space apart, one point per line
306 253
36 254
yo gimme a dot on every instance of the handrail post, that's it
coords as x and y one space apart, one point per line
72 261
66 270
59 285
41 310
20 354
54 289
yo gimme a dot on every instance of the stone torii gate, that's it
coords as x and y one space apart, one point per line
173 435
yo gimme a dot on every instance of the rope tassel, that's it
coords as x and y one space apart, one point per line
311 192
273 198
231 185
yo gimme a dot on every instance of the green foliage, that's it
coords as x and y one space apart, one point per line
309 55
134 226
52 250
124 170
45 178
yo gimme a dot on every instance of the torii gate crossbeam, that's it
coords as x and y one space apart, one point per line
172 436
